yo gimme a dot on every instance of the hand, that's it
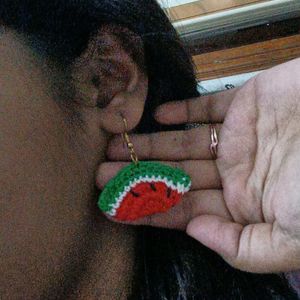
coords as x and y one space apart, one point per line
246 204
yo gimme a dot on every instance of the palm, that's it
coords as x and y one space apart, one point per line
245 205
236 163
259 162
257 158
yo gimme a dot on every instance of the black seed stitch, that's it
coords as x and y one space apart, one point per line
135 194
153 188
169 192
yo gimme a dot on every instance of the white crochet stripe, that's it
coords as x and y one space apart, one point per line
180 188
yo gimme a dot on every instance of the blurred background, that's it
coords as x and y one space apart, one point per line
232 40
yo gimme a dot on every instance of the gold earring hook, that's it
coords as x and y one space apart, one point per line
128 143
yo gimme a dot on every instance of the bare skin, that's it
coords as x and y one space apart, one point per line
246 204
55 243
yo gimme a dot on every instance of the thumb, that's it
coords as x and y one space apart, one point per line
259 248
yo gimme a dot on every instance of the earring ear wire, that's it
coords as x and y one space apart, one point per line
142 188
129 144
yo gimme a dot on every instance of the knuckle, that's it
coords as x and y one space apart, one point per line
189 110
209 109
187 208
187 143
179 165
151 146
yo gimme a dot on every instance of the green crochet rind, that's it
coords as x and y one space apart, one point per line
116 186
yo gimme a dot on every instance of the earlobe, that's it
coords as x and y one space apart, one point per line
111 76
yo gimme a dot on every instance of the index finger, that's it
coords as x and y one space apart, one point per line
205 109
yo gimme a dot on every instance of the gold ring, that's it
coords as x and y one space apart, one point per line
214 142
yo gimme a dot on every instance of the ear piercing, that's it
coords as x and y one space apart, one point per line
128 143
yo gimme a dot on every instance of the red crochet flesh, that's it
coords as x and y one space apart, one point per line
146 199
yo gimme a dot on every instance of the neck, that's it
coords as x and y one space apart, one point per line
109 271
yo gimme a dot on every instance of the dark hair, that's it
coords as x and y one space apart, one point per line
169 264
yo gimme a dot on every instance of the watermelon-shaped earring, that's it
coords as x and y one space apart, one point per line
142 188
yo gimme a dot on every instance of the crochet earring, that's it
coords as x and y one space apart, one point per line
142 188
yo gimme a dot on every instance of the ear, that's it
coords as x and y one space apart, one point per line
110 77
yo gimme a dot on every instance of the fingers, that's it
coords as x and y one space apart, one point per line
205 109
204 174
192 205
259 248
190 144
